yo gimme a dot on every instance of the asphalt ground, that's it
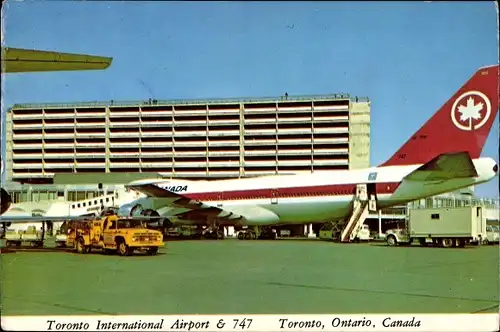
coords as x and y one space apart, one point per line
253 277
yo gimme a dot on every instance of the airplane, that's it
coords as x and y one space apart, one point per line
17 60
442 156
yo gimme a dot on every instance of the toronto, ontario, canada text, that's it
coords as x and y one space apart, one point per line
321 324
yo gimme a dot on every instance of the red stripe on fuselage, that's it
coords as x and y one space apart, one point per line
290 192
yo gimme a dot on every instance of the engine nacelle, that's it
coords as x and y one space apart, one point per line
5 201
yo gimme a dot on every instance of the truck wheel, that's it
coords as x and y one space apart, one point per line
460 243
391 241
253 235
80 246
247 236
486 242
152 251
447 243
123 249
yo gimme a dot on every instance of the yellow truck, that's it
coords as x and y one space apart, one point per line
113 234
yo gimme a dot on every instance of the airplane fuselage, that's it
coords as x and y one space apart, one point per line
316 197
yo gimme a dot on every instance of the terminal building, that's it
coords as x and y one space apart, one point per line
195 139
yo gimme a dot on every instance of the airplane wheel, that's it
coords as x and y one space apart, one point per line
248 236
240 236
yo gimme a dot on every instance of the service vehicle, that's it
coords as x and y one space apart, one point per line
112 233
62 235
61 239
442 227
363 234
492 235
31 237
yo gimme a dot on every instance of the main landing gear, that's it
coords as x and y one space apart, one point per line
214 232
262 233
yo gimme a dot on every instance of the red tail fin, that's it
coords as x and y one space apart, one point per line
462 124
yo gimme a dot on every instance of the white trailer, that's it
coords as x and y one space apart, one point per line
443 227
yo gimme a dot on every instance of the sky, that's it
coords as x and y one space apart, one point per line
409 58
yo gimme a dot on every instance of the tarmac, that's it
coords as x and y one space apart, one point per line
253 277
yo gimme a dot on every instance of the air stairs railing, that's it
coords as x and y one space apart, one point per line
359 206
360 220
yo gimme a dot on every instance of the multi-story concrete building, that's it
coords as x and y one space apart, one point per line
189 138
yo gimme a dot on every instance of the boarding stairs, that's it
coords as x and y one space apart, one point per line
361 208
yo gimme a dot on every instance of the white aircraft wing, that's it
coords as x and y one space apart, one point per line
28 219
197 210
17 60
444 167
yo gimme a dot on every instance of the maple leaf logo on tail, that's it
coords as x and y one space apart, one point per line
471 110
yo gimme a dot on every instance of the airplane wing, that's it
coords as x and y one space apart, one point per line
191 209
28 219
16 60
444 167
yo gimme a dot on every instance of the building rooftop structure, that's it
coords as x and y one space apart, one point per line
194 101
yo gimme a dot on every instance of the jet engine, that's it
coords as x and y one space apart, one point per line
5 201
138 210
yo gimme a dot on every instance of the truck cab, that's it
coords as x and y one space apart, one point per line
393 237
492 235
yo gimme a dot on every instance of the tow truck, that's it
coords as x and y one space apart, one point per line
113 234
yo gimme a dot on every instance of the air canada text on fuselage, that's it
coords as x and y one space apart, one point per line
175 189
